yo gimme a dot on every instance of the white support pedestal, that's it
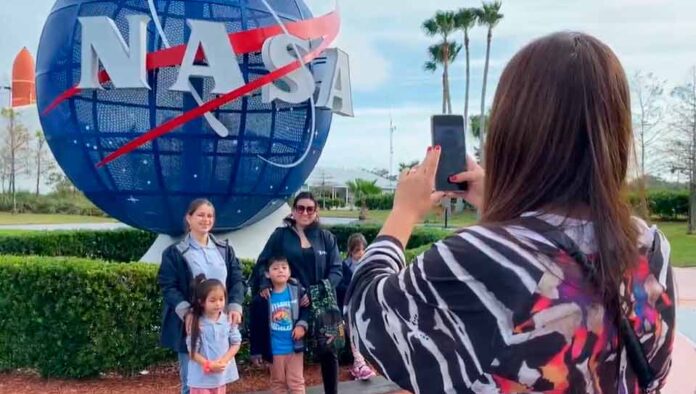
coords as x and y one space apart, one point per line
247 242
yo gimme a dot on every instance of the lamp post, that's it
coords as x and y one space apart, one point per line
9 95
392 128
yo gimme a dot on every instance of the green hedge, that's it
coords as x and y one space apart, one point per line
75 318
421 236
383 201
411 254
67 317
330 203
665 204
117 245
130 245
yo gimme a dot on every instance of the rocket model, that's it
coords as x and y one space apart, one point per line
23 80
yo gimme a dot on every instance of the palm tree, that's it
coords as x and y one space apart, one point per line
488 16
361 188
436 54
465 19
443 25
408 165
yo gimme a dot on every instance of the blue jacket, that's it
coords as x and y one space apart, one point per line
175 279
260 322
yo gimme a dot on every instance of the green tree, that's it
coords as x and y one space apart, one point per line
475 127
465 20
489 16
682 146
360 189
443 24
44 163
437 56
408 165
16 148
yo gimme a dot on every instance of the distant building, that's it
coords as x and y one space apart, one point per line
331 182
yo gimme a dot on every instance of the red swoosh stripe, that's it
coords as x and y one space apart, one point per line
242 42
327 27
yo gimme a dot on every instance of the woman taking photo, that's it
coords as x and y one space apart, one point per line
313 256
558 288
198 253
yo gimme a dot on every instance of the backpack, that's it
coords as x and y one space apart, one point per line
327 327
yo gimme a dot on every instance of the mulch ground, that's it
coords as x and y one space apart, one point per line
163 379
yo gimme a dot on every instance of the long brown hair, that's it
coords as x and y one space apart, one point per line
560 140
201 288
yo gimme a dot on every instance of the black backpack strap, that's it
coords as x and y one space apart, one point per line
628 338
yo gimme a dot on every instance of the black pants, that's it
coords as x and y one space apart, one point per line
329 371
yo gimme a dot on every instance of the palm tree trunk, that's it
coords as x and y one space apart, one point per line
466 92
449 96
444 94
482 137
445 62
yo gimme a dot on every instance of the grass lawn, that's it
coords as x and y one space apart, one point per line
683 245
379 216
30 218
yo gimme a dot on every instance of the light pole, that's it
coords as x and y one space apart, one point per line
392 128
9 95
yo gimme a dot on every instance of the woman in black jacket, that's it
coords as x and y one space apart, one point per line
313 256
198 253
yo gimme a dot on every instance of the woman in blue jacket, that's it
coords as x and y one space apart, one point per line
198 253
313 256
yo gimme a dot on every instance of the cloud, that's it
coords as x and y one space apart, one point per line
363 141
369 69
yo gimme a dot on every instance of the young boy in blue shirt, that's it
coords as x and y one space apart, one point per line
278 327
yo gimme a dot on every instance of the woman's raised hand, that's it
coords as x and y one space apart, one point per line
474 177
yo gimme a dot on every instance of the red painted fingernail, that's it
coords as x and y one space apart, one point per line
452 178
430 148
437 147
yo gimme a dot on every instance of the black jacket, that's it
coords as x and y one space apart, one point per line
345 282
286 242
174 278
260 322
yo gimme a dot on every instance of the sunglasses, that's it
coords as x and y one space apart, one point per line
302 209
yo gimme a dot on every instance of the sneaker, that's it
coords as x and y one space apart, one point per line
365 372
355 372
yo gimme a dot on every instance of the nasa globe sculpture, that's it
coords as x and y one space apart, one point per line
147 105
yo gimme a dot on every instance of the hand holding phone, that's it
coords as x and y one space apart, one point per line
474 178
447 131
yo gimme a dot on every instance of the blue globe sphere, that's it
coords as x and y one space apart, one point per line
151 187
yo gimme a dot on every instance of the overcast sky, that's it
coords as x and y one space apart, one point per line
387 49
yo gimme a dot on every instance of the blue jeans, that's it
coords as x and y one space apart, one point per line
183 372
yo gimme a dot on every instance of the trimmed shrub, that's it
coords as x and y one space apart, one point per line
665 204
329 203
411 254
118 245
74 318
383 201
128 245
420 236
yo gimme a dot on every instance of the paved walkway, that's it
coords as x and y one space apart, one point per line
377 385
686 286
681 378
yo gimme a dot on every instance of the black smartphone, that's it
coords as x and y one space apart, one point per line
448 132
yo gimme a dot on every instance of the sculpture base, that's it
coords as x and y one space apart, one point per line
247 242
